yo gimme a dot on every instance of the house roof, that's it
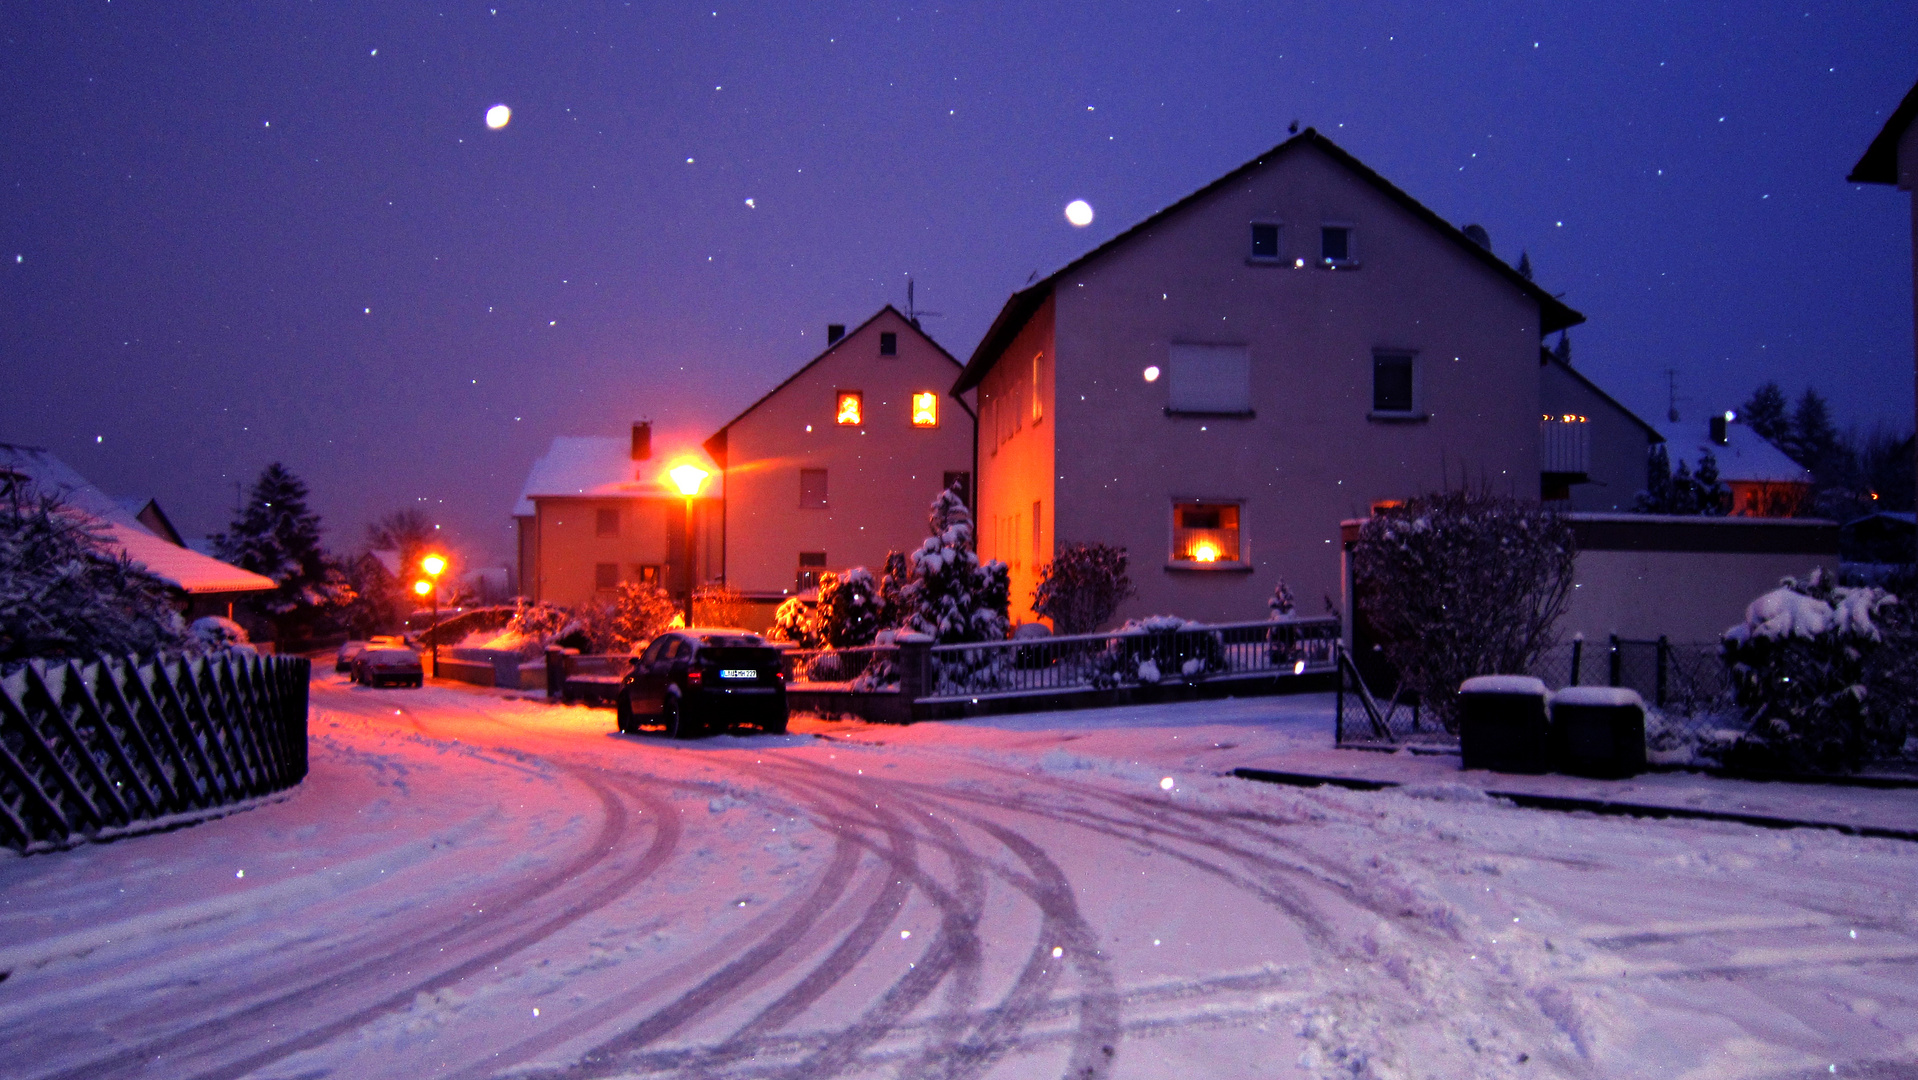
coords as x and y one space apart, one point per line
1746 456
716 445
1554 314
1545 358
1880 163
183 568
595 467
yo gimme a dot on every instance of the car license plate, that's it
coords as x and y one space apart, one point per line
738 673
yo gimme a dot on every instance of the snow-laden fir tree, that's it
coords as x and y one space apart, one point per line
64 591
952 595
277 536
849 608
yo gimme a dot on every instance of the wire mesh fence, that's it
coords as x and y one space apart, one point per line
1195 653
104 744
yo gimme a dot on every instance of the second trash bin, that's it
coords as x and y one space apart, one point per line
1502 724
1598 731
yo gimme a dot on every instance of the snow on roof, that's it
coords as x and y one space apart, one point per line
1745 456
183 568
600 466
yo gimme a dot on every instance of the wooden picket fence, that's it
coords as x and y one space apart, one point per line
97 746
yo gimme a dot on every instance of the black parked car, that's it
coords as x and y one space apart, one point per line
695 681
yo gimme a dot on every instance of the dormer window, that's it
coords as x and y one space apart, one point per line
889 344
1265 241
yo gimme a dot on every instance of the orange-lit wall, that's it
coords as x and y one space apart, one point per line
881 474
1016 461
563 547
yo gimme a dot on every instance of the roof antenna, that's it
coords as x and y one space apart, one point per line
1671 379
913 314
1030 278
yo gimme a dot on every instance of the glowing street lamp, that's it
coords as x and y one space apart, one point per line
687 479
434 565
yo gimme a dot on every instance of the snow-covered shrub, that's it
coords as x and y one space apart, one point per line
719 605
212 634
637 613
1462 583
1167 647
1282 605
1082 587
65 592
1803 665
797 621
848 608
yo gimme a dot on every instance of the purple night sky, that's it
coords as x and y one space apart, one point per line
246 232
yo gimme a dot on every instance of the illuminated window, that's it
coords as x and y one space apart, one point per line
925 409
852 411
811 565
1038 403
1205 532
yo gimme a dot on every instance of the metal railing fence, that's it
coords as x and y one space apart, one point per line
1134 658
92 745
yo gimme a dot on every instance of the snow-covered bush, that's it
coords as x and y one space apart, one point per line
1821 686
212 634
797 621
65 592
718 605
1082 587
637 613
1462 583
1160 647
848 609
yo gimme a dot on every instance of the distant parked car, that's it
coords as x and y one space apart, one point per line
386 664
344 662
695 681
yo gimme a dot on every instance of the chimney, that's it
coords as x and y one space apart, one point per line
642 439
835 331
1718 429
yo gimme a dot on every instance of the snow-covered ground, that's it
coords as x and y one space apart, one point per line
473 886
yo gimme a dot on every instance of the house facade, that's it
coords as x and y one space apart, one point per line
1218 387
1892 158
600 511
1592 451
835 466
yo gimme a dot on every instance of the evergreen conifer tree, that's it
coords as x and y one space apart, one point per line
1813 438
1714 498
1525 265
1657 496
953 596
1562 352
1764 413
277 536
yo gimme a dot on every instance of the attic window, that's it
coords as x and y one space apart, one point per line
889 344
1335 245
1265 240
925 409
851 410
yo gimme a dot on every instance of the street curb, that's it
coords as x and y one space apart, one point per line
1572 804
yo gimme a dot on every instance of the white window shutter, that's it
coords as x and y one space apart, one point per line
1210 379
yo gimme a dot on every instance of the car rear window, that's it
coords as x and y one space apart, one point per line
759 657
731 641
390 655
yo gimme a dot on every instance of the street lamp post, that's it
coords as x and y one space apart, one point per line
687 479
434 565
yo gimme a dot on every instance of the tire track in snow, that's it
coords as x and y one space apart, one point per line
400 951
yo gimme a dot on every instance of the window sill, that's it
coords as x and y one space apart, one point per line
1398 417
1264 260
1220 567
1196 414
1338 264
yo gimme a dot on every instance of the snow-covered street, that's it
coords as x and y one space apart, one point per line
474 886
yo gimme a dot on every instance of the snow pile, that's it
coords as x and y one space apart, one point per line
211 634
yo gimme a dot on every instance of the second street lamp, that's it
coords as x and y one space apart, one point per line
687 479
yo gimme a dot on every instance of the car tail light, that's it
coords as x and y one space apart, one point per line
695 676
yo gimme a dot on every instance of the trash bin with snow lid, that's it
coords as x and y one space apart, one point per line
1598 731
1502 724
